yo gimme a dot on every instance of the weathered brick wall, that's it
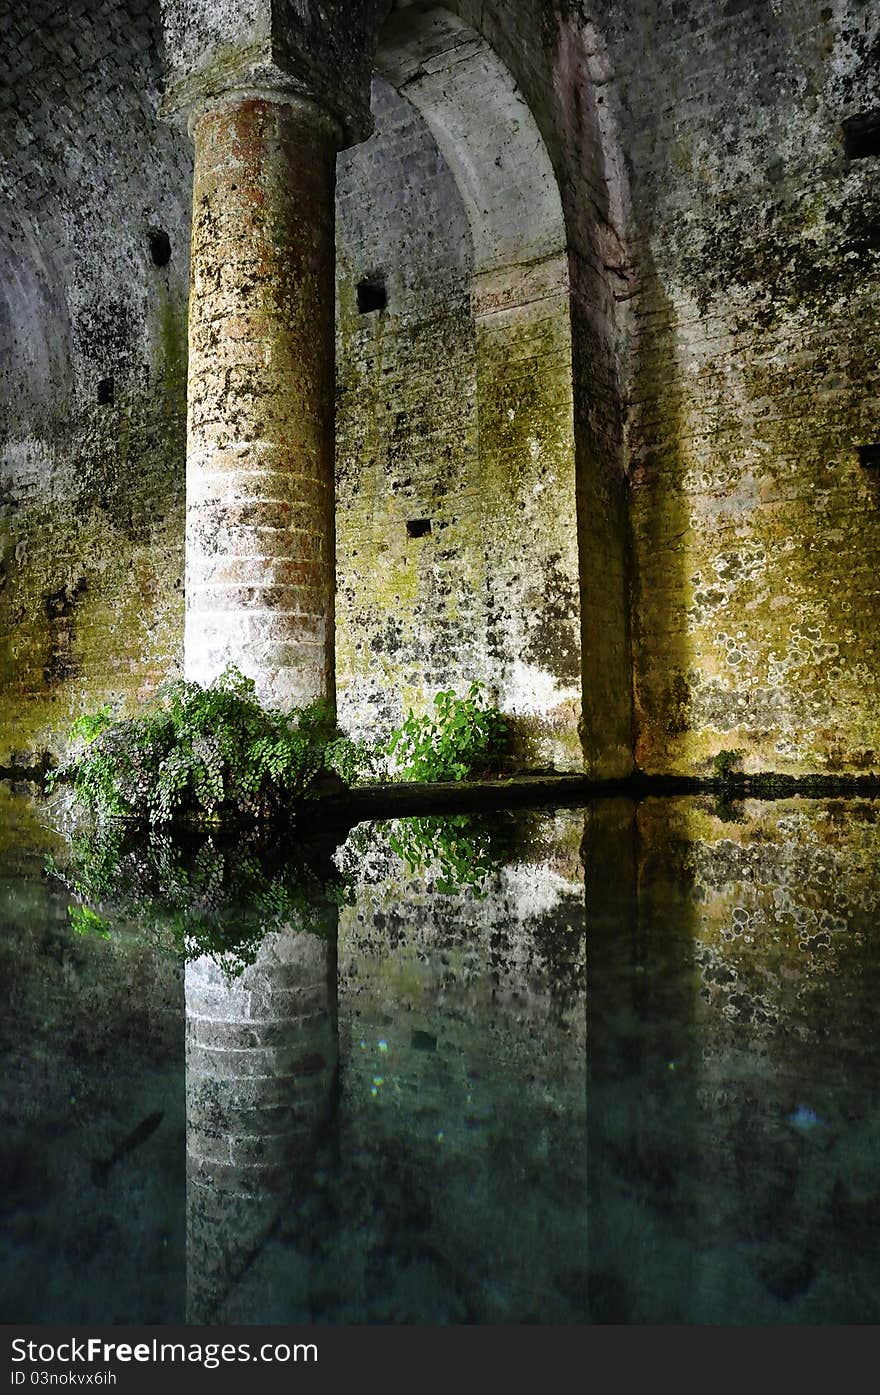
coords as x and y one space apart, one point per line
722 277
756 530
92 374
727 253
455 404
406 427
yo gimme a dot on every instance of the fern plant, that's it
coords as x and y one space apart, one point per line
467 736
208 753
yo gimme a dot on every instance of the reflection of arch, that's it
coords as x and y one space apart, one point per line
457 409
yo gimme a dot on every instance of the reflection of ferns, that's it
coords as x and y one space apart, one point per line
207 753
85 921
207 897
463 851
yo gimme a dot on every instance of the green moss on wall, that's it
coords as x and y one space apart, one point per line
91 606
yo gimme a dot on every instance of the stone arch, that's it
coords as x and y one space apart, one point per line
485 131
457 546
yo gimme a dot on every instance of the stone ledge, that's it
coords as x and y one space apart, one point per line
398 800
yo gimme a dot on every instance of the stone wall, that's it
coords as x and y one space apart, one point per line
727 251
95 235
458 543
756 531
721 236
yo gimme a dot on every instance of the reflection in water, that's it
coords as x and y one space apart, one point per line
215 894
613 1065
261 1063
734 1015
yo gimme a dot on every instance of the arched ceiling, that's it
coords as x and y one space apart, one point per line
485 132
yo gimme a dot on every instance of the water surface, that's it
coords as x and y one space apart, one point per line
615 1064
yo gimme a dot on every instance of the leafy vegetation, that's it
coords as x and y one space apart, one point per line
207 753
85 921
457 847
200 895
725 762
455 852
467 736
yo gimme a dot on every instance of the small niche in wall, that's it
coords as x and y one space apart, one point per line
160 246
372 295
418 527
861 135
869 456
105 392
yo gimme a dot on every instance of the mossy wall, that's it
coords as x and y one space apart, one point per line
457 552
756 528
552 520
95 231
722 260
724 281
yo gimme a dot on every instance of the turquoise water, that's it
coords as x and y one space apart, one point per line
604 1065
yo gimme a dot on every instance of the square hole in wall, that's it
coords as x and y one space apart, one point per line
869 456
861 135
160 246
418 527
105 392
372 295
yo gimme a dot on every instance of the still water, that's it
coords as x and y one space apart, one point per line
618 1064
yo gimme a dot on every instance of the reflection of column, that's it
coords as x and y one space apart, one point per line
640 1063
608 853
261 1062
259 539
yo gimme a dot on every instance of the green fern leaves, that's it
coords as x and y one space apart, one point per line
207 753
467 736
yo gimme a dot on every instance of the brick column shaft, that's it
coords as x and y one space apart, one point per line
260 497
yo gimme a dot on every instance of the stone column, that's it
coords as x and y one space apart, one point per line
260 576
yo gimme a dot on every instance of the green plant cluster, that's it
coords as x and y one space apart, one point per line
460 848
457 852
206 753
466 736
725 762
199 895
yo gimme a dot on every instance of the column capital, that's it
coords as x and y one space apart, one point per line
192 99
303 52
